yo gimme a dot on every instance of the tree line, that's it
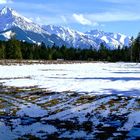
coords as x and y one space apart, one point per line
15 49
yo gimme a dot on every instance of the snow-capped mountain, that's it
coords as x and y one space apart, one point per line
111 39
73 38
25 29
91 38
10 18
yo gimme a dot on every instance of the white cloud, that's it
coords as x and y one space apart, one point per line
42 20
113 16
81 19
5 1
95 24
2 1
95 18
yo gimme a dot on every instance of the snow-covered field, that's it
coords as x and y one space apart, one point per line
87 100
94 78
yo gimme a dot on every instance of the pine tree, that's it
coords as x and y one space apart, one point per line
103 51
131 48
2 51
136 49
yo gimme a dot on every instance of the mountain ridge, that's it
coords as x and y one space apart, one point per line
29 31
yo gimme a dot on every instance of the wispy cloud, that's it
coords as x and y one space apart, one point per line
81 19
64 19
36 8
5 1
45 20
88 19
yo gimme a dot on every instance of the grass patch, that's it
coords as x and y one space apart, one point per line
84 100
51 103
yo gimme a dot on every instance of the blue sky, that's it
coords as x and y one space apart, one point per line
83 15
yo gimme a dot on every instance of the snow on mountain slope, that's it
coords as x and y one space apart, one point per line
10 18
24 28
6 34
111 39
92 38
73 38
31 37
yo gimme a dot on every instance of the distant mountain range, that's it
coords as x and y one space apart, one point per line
26 30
